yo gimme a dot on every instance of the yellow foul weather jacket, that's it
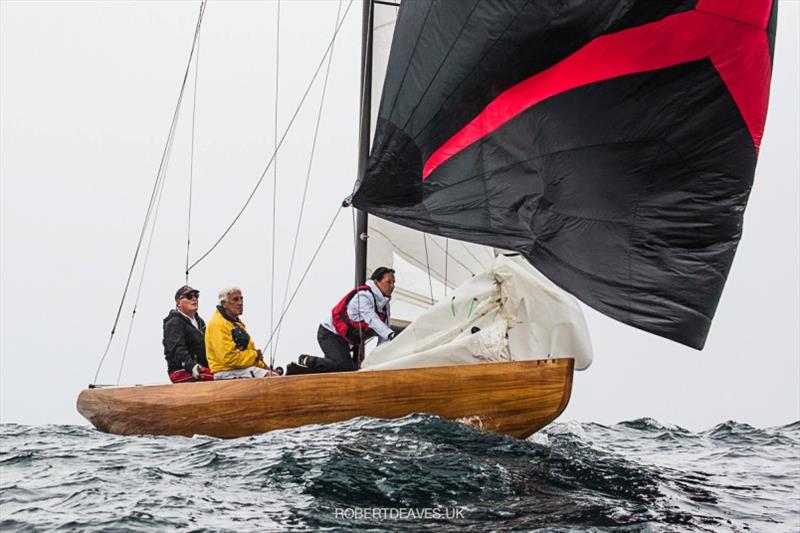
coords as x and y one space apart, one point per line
221 350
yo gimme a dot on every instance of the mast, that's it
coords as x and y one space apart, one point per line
364 136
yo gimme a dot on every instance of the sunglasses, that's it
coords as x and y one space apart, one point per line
191 296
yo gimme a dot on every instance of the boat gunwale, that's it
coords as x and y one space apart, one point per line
507 397
319 375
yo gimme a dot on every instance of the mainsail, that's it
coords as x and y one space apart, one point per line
612 144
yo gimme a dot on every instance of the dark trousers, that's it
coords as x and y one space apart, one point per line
338 353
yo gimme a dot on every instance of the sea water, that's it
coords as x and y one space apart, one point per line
417 473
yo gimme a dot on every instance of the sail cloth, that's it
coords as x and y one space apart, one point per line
509 313
428 267
613 144
384 18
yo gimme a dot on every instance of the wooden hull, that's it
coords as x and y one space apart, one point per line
516 398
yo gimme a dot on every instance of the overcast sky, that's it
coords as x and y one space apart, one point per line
87 92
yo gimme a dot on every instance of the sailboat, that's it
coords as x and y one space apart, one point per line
602 150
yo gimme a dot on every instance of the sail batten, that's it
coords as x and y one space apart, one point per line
613 145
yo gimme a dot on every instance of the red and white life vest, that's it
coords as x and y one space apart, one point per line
351 331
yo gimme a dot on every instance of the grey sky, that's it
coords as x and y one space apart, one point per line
86 95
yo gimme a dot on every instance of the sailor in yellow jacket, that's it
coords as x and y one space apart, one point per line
230 351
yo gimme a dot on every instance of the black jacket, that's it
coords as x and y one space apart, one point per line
184 345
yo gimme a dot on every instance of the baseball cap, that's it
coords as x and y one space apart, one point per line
183 291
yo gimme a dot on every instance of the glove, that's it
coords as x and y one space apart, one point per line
196 371
391 336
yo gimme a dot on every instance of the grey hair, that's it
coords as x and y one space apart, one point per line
223 294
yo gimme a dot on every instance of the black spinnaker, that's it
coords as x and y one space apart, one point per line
611 143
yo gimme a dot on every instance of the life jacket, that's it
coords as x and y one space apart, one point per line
351 331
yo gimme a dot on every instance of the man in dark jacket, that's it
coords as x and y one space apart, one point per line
184 339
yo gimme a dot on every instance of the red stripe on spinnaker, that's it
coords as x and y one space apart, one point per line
737 48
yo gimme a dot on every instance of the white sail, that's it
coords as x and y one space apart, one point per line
509 313
428 266
383 22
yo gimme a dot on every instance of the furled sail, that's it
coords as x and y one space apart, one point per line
511 312
613 144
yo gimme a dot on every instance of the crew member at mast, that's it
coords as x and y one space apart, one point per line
184 347
230 350
361 314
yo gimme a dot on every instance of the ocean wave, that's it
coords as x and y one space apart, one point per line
639 474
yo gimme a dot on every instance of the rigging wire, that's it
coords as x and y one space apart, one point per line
154 193
303 277
144 265
466 249
411 258
305 187
157 211
470 253
428 263
191 161
275 177
446 258
280 143
456 259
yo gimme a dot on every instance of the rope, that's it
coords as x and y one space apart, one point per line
191 161
305 188
428 263
283 137
275 177
303 277
154 193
